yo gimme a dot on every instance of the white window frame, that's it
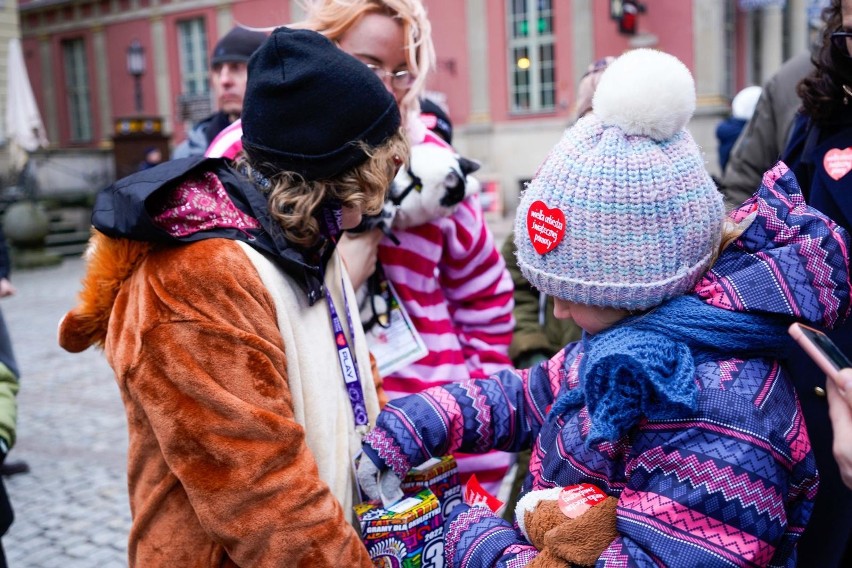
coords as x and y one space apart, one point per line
537 92
192 55
77 89
730 62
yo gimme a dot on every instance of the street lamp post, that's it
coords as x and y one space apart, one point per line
136 67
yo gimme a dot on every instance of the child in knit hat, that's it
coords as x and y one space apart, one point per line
674 401
221 302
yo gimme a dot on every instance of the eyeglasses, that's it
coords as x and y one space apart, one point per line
399 80
840 40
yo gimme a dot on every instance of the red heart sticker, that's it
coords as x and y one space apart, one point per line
575 500
837 162
430 120
545 226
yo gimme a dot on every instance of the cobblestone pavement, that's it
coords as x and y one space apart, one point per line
71 510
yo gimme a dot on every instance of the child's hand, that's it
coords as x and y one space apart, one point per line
840 412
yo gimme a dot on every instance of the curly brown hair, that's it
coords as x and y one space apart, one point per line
822 91
294 202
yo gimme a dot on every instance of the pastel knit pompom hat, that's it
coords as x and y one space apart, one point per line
622 213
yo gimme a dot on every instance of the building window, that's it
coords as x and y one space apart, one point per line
77 89
755 35
532 80
730 67
192 49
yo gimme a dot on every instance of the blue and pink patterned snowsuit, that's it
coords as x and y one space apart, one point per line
731 484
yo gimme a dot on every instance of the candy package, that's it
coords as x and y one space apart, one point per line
441 475
407 534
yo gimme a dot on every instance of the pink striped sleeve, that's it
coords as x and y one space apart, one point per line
478 288
228 143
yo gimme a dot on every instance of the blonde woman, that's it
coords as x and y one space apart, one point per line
218 296
392 37
448 273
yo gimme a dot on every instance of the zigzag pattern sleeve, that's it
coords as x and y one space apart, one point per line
476 538
503 412
478 289
729 487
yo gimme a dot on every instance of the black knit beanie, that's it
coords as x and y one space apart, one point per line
308 103
236 46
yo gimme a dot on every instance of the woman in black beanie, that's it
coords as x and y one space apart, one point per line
218 296
447 272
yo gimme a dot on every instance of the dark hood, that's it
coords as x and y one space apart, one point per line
124 210
791 260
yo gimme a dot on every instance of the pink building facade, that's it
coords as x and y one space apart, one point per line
507 69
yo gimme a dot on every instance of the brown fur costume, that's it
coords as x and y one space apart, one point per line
218 469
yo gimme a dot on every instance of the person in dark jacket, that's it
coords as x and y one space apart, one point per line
727 132
228 68
152 157
8 400
766 134
820 154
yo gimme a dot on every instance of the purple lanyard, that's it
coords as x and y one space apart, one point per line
348 364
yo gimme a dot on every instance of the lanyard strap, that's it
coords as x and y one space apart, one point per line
348 364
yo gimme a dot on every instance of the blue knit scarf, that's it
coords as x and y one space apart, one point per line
645 365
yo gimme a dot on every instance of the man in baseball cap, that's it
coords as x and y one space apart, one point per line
228 66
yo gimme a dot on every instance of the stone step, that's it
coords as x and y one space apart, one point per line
69 230
63 238
68 250
63 226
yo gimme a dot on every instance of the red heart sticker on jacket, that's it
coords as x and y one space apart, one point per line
545 226
837 162
575 500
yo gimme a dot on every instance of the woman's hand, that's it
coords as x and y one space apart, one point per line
6 288
840 412
360 254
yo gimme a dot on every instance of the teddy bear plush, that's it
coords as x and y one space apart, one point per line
570 526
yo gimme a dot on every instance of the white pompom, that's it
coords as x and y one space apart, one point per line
646 92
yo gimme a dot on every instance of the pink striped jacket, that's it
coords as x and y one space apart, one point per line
453 282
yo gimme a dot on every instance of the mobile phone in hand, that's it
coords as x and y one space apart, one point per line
821 349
